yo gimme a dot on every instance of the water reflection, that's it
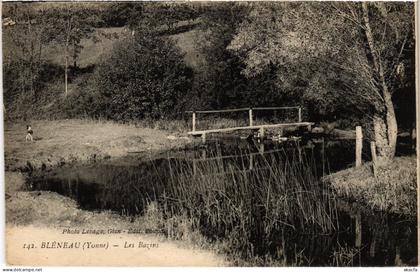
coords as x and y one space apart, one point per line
236 194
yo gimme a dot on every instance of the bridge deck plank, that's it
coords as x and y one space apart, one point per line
255 127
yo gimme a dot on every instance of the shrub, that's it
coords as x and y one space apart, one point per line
145 77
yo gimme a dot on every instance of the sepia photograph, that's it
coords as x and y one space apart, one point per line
210 134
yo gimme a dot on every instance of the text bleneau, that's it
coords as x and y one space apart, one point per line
60 244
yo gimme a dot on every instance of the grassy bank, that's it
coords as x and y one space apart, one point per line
394 189
63 141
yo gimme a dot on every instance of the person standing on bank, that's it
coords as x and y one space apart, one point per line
29 133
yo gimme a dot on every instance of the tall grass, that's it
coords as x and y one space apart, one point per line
247 209
345 255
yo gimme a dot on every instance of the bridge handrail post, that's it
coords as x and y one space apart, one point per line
193 120
250 117
359 146
300 114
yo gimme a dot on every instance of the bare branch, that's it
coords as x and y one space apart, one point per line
353 20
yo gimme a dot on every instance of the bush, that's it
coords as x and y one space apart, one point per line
145 77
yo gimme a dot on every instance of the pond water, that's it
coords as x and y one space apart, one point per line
264 200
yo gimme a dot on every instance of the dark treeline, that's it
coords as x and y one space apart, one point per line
346 62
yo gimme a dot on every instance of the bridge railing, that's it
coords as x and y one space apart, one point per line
250 113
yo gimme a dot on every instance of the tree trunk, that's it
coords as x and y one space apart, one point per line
381 137
67 45
31 70
392 126
385 127
66 72
74 56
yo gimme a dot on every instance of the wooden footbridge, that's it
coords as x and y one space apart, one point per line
251 126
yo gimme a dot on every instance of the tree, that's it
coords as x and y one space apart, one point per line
122 14
352 54
144 77
23 44
217 82
386 62
72 23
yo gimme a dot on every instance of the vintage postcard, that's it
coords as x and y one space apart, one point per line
215 134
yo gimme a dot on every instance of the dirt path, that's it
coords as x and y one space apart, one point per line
39 218
87 250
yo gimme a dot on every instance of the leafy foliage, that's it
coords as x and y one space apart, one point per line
144 77
251 54
220 84
23 42
36 26
323 47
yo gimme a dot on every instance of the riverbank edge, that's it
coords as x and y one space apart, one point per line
49 210
60 142
394 189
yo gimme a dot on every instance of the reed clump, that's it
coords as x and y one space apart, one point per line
345 255
244 208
